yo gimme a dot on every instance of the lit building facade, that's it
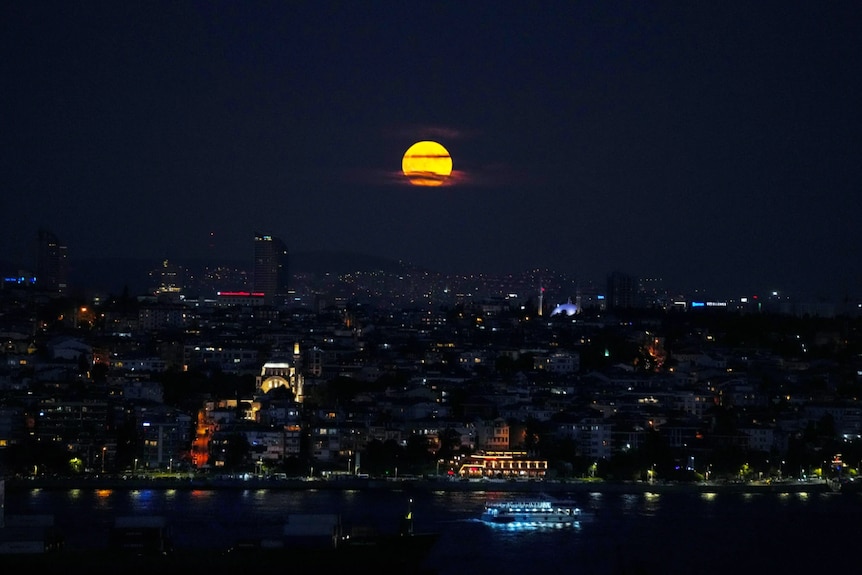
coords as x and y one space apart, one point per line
493 435
503 464
165 434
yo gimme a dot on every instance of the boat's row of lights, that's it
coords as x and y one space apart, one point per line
525 525
564 510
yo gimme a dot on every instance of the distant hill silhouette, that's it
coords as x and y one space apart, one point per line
113 275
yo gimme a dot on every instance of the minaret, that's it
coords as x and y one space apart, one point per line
300 380
297 356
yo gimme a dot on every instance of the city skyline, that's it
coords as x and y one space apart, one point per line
714 146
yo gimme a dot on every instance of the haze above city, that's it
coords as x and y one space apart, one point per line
714 145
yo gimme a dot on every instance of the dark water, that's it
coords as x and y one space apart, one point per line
643 533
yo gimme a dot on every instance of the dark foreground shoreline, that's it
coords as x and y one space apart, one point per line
428 484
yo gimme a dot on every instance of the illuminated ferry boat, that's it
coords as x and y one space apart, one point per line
528 514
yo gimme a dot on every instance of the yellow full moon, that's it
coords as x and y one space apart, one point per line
426 163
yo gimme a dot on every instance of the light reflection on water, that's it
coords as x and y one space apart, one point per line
663 533
630 501
651 504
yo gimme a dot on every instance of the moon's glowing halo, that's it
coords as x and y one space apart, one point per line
426 163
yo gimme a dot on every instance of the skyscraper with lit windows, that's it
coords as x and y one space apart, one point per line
270 268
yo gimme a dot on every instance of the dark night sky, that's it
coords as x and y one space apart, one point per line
715 144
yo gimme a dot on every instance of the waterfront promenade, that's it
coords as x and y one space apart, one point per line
196 482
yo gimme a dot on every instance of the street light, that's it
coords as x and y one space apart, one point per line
104 450
135 468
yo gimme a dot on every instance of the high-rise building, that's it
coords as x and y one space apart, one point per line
623 291
270 268
51 263
168 281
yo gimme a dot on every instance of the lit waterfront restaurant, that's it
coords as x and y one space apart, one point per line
507 464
